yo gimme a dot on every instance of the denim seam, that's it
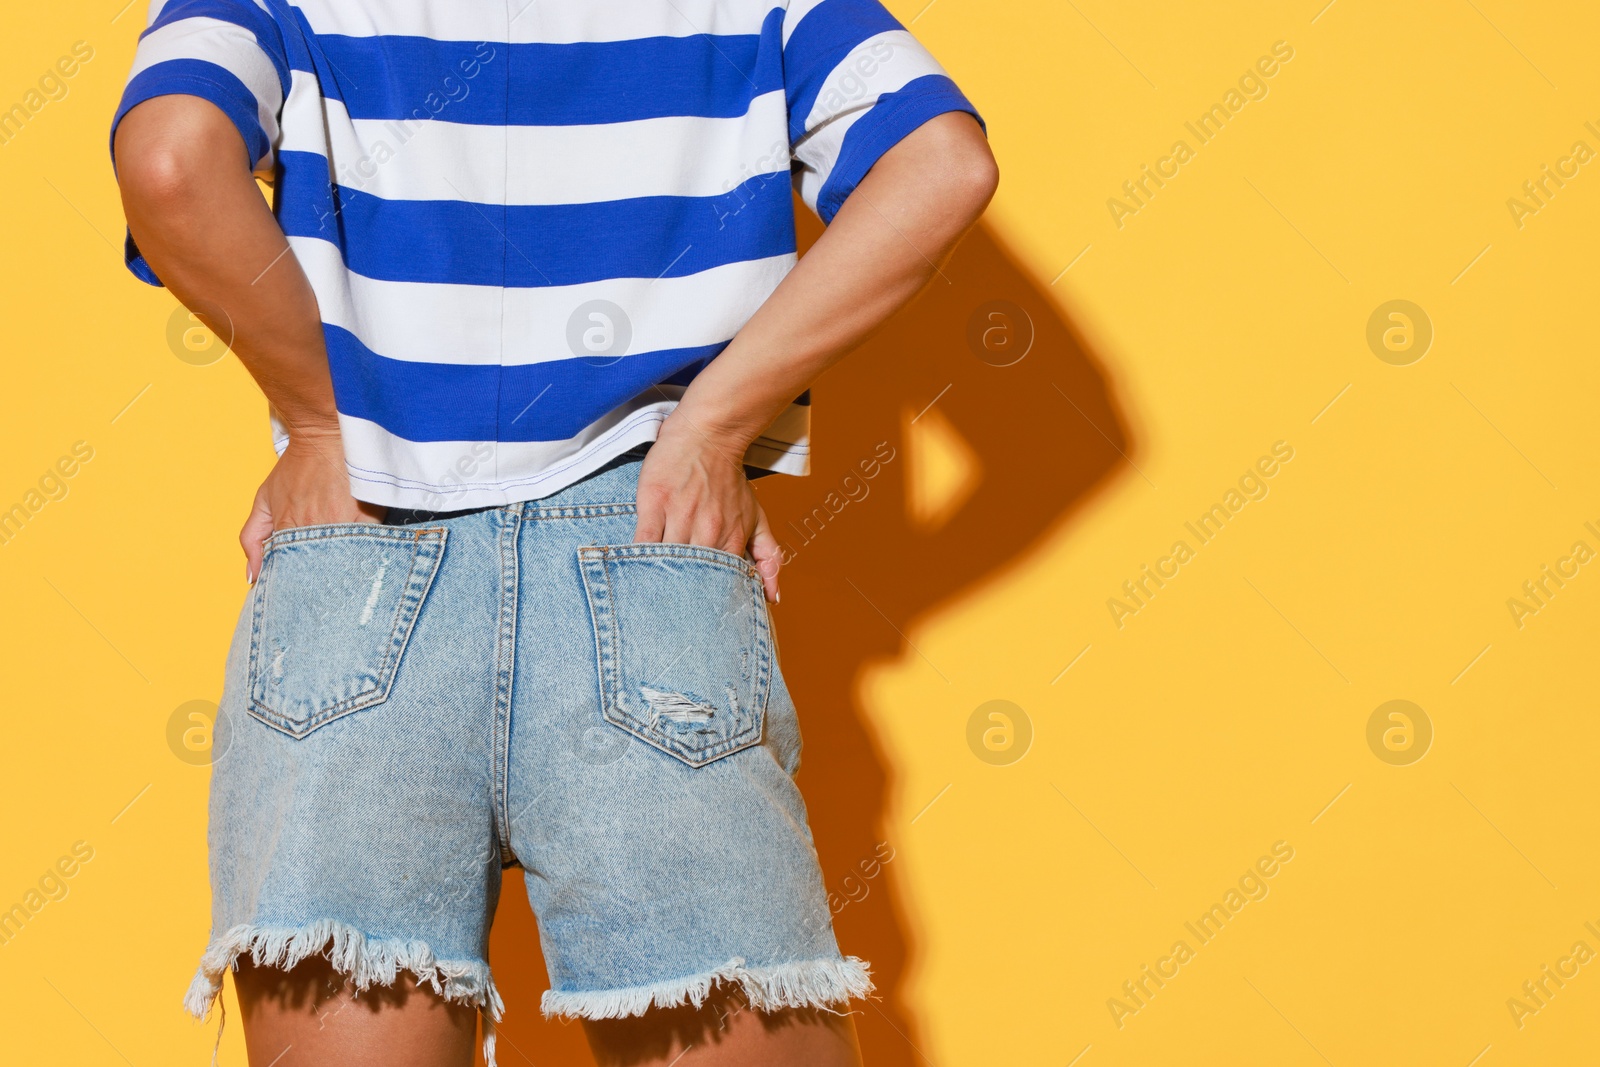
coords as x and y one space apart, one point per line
535 513
330 531
505 668
672 550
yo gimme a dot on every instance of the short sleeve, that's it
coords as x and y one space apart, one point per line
229 52
857 83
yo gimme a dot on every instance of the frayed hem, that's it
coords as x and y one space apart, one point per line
805 984
364 962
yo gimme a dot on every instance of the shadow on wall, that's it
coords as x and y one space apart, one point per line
998 461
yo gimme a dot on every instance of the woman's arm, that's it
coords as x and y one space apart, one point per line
885 243
195 211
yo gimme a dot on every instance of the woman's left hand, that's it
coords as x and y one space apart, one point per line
693 491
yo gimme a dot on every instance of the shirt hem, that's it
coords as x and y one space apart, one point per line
389 491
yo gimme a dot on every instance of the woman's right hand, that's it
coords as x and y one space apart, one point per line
308 485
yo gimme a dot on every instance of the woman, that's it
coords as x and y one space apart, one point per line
528 315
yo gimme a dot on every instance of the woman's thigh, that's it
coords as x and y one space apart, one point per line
308 1016
726 1032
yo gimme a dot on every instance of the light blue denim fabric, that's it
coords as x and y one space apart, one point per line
408 709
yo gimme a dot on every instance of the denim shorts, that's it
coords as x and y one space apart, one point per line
411 708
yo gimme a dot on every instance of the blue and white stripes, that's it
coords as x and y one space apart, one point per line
529 225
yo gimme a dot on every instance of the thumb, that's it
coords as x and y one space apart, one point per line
257 528
768 556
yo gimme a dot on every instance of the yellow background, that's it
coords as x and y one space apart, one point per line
1223 717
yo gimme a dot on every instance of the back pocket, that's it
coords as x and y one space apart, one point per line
334 607
683 643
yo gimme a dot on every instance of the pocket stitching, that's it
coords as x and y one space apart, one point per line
672 550
420 538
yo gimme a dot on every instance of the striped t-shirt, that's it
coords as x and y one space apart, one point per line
530 223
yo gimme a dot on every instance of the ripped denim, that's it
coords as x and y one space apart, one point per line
409 710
